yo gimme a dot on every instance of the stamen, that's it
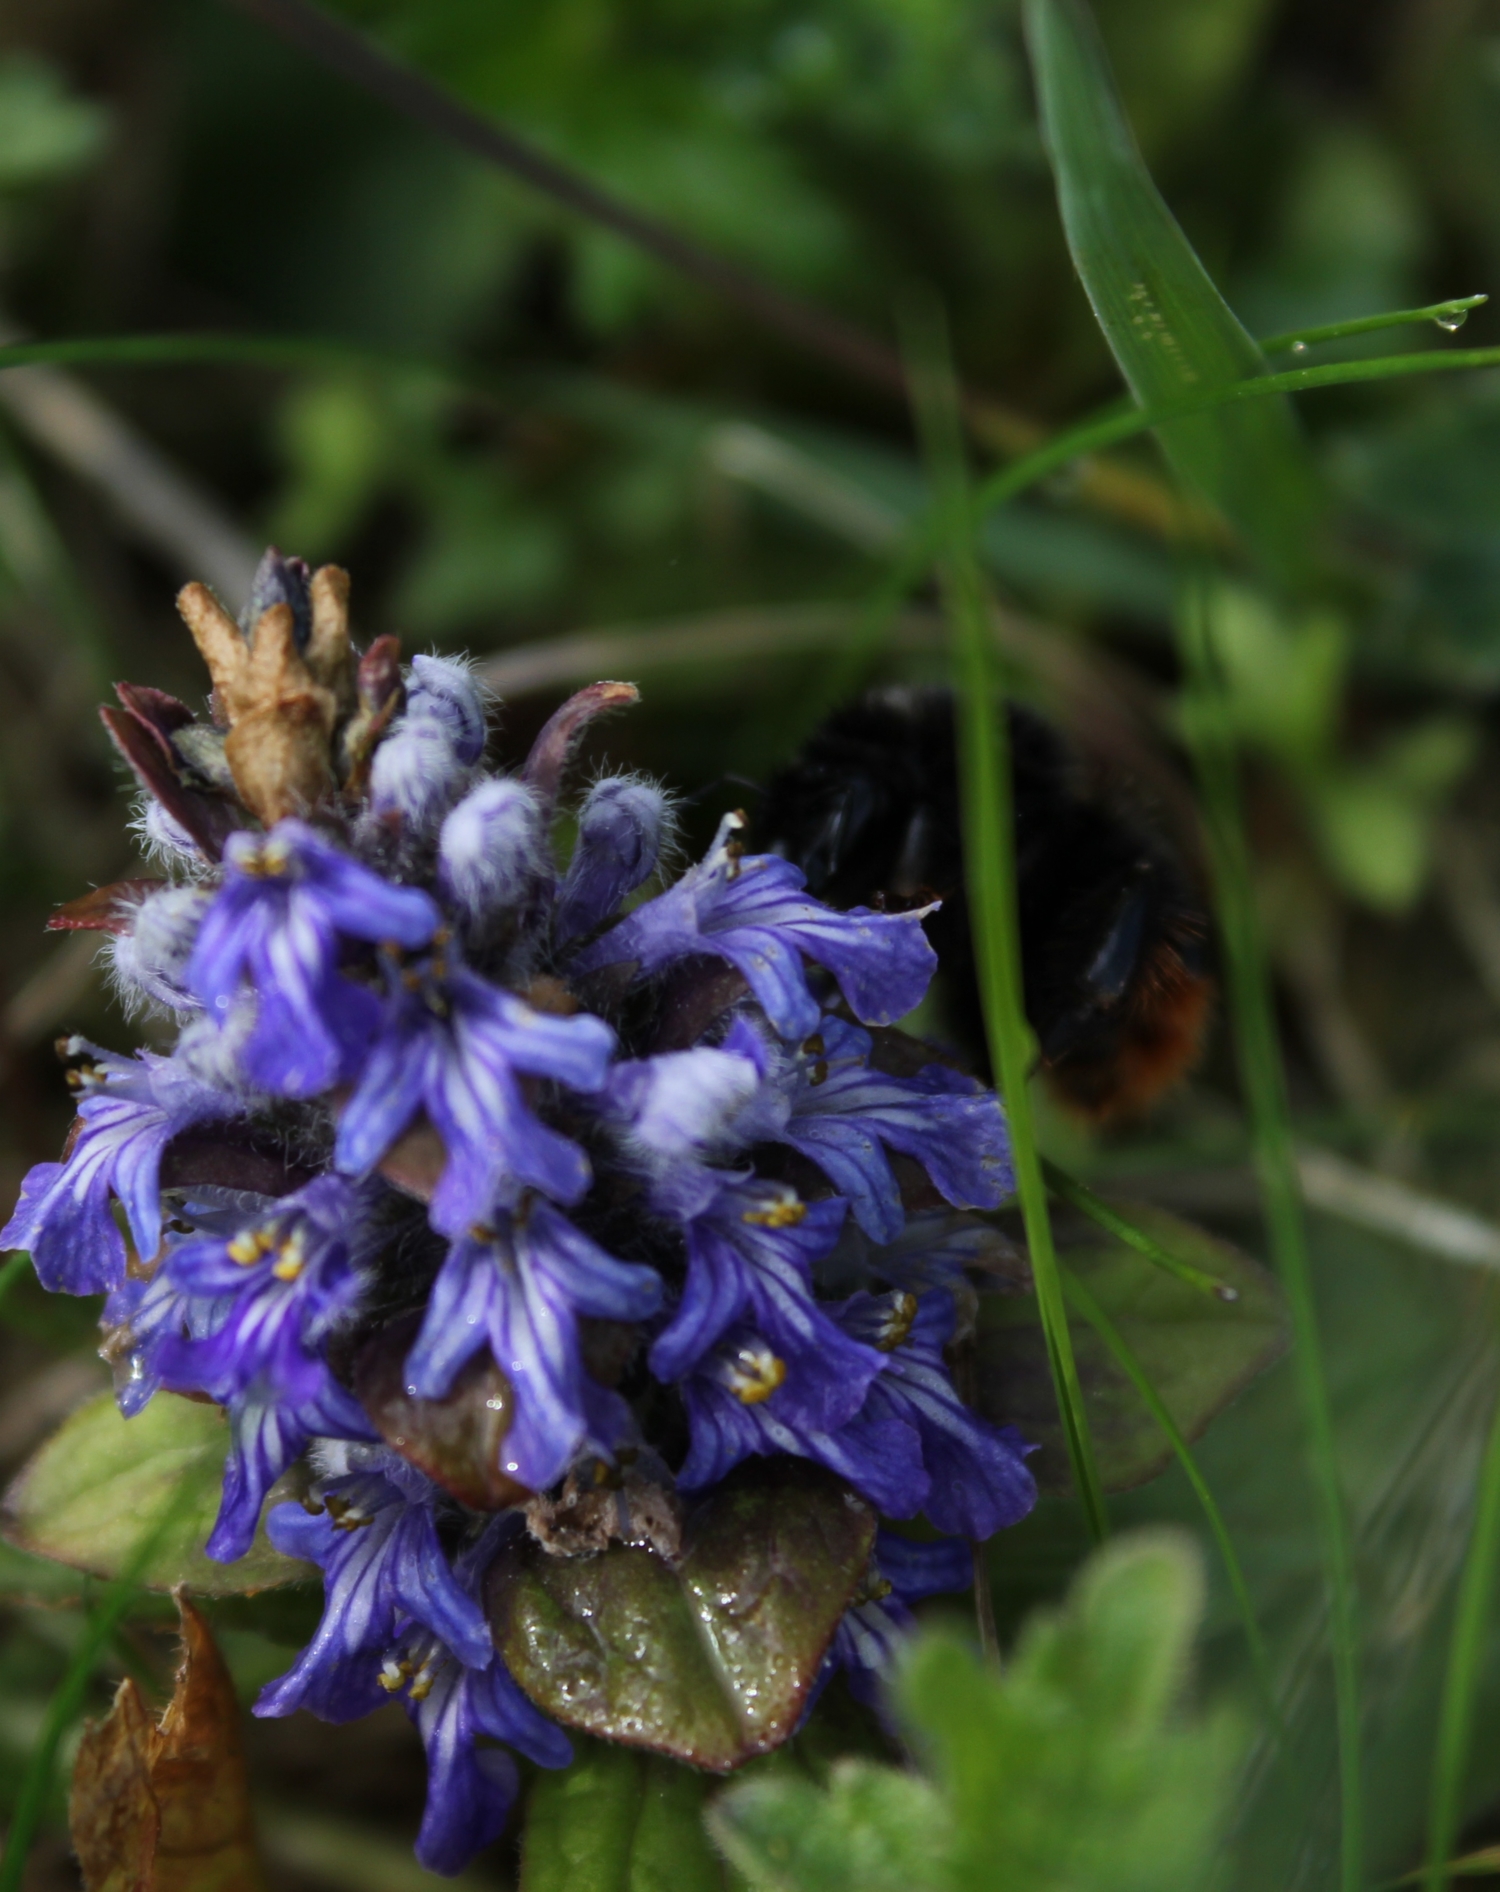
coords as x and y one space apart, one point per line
253 1244
787 1213
900 1312
393 1674
755 1374
344 1516
292 1258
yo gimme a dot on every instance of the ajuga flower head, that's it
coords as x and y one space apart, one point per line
521 1237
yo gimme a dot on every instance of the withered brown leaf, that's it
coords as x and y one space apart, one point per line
165 1806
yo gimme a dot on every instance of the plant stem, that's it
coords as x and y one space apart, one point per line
1249 991
989 861
1465 1653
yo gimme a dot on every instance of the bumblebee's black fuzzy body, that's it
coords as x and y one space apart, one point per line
1113 940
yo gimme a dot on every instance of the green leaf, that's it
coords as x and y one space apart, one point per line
871 1830
1075 1768
1197 1350
45 132
1170 330
619 1821
81 1499
710 1660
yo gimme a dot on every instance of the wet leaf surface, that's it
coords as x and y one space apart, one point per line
82 1497
165 1807
1197 1350
710 1660
455 1440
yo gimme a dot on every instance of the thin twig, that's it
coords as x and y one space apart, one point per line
1123 491
166 511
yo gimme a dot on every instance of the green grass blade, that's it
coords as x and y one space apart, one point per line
1250 1004
1109 426
990 871
1170 330
67 1699
1079 1196
11 1273
1465 1660
1447 315
1083 1299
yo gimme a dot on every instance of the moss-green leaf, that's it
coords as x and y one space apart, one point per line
81 1499
1170 330
1198 1351
709 1660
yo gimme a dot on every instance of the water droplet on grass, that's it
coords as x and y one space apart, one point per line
1455 318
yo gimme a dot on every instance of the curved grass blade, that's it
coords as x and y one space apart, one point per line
1248 986
1170 330
1079 1196
67 1699
1448 315
1081 1298
990 870
1465 1659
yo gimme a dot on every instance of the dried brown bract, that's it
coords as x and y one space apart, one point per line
283 694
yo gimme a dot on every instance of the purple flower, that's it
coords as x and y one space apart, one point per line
444 690
398 1619
147 1317
621 827
521 1285
383 1568
287 1279
267 1433
751 910
826 1101
276 923
491 851
878 1622
979 1480
129 1111
148 963
750 1257
453 1044
470 1789
738 1406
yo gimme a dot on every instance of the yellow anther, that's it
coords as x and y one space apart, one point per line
786 1213
291 1260
756 1374
815 1046
899 1315
252 1244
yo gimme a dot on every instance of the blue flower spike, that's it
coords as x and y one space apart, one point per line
423 1109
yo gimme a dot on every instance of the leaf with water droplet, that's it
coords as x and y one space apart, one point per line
709 1659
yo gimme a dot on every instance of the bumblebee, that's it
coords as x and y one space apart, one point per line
1114 941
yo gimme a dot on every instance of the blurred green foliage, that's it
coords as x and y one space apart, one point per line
1074 1770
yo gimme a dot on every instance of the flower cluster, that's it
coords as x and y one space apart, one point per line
429 1085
